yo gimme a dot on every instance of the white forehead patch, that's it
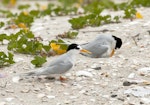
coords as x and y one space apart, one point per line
79 47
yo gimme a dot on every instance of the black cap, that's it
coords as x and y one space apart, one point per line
118 42
73 46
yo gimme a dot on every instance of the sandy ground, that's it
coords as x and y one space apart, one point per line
99 87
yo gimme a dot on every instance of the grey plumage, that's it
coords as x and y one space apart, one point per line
60 65
102 46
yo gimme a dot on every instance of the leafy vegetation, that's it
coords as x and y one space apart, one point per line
24 40
38 61
69 34
6 59
2 24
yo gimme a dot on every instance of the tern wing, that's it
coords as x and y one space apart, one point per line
97 49
50 70
60 65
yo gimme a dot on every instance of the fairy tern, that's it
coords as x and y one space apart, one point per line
60 65
102 46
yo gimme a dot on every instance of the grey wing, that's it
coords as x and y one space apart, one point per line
59 68
97 49
58 60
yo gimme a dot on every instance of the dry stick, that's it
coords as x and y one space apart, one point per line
105 30
133 37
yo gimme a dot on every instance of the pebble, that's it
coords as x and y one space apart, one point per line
145 100
113 95
16 79
144 71
96 67
132 75
127 83
9 99
84 73
51 97
73 97
138 91
66 102
41 95
105 96
18 59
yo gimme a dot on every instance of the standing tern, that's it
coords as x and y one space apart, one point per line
102 46
60 65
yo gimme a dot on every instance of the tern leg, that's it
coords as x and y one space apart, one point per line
112 53
62 78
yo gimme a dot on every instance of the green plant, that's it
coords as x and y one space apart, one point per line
6 59
2 24
25 42
38 61
21 7
69 34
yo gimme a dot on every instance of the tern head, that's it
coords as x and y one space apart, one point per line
77 47
118 42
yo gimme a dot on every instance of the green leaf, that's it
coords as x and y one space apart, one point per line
21 7
26 19
2 37
34 13
38 61
6 59
46 48
2 24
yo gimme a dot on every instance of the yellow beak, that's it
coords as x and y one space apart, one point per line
85 51
112 53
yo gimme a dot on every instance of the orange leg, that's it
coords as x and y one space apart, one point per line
112 53
62 78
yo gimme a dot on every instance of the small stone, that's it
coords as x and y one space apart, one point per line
16 79
92 100
121 99
41 95
138 91
73 97
10 91
25 90
126 83
145 100
141 103
132 75
96 67
50 97
84 73
113 95
66 102
9 99
105 96
144 71
18 59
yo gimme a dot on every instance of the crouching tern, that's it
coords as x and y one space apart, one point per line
60 65
102 46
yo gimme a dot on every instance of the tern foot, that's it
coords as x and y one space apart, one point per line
62 79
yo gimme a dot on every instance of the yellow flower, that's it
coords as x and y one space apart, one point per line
12 2
55 47
22 25
43 7
60 51
138 15
25 13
